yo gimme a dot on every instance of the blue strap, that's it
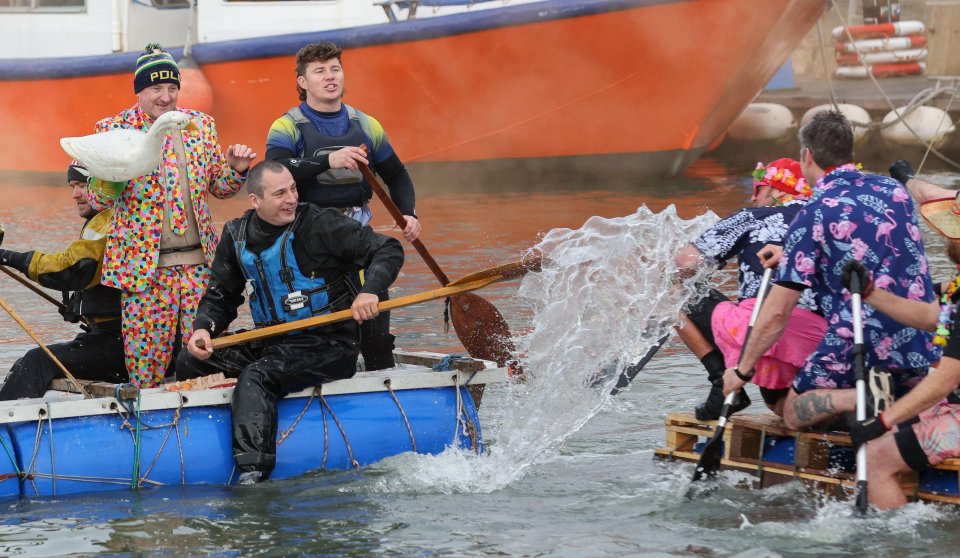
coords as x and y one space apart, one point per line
446 363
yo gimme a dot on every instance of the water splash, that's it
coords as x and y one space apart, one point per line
607 293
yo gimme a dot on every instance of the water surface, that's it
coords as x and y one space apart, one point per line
570 478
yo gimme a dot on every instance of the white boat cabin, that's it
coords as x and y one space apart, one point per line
52 28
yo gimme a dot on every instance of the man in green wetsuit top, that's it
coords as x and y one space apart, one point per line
292 261
97 352
323 132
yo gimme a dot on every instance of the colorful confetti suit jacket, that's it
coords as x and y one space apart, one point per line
133 241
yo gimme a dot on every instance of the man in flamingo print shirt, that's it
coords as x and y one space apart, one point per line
852 215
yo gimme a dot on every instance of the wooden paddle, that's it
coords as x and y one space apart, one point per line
860 374
713 451
342 315
479 325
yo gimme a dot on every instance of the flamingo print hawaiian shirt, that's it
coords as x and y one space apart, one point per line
869 218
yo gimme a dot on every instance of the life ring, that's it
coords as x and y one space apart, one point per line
881 70
891 43
883 57
878 30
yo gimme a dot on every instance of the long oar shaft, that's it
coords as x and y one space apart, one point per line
859 370
401 222
342 315
60 306
753 320
55 360
33 288
512 270
710 459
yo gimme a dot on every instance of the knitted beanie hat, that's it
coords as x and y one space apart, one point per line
78 172
155 66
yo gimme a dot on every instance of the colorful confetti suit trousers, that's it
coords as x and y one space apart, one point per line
152 318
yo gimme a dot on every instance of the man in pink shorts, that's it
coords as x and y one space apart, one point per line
714 327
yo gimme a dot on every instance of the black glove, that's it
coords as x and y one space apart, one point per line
862 432
902 171
854 267
17 260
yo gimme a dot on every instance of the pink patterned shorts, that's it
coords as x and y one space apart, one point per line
938 432
779 365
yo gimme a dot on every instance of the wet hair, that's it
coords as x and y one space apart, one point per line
829 137
254 180
953 251
315 52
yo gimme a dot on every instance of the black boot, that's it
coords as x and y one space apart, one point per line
710 409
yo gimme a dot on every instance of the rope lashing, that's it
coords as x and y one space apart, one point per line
463 419
13 461
353 461
288 431
135 475
53 462
326 433
413 441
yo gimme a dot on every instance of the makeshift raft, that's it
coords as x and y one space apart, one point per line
122 438
762 446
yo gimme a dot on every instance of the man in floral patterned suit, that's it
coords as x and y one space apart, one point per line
858 216
714 327
161 240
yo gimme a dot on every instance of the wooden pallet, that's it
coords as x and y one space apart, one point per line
774 454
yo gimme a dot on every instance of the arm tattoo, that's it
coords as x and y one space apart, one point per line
811 407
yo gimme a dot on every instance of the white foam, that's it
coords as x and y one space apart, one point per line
606 294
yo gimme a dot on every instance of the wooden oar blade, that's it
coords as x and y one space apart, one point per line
481 328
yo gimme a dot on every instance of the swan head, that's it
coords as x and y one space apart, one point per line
175 120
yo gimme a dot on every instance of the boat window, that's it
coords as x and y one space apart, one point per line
171 3
44 5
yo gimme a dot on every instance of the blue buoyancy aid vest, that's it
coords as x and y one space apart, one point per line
337 188
278 291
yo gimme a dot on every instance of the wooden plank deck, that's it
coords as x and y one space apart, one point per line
763 446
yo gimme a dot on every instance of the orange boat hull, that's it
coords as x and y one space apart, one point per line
637 89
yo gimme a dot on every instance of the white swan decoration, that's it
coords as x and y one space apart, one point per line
121 155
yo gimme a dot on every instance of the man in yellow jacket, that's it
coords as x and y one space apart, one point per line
97 352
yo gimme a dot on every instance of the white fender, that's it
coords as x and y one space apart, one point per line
929 123
763 122
857 115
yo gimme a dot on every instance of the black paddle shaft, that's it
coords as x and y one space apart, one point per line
710 459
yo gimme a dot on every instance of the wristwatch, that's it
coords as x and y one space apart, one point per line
745 377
